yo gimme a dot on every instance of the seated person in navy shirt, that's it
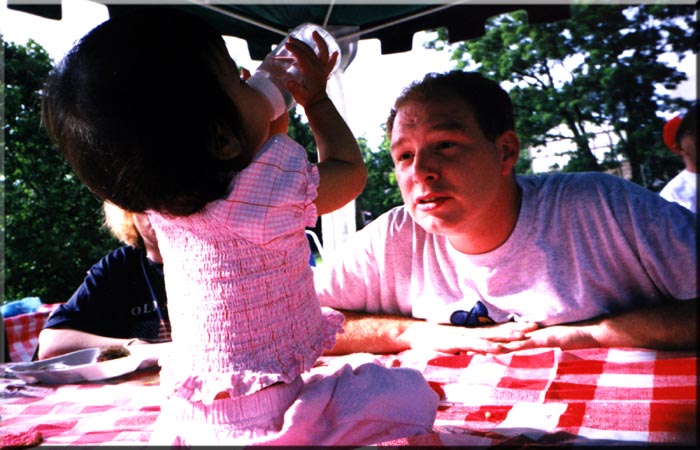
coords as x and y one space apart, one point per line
122 299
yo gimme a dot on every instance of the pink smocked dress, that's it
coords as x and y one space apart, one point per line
246 322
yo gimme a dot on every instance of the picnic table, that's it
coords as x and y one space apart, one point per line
547 396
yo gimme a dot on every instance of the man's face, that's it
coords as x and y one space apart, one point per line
452 179
689 147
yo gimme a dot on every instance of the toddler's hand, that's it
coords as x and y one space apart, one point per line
315 70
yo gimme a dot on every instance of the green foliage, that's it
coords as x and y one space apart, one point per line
524 164
382 191
599 68
301 133
53 231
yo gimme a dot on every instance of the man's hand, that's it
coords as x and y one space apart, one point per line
378 333
566 337
667 326
454 339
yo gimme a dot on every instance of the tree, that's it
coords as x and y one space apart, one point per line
53 230
599 68
623 46
381 192
300 132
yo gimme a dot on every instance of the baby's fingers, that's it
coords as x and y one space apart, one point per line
322 46
331 62
328 62
300 49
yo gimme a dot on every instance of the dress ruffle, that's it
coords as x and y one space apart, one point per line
205 387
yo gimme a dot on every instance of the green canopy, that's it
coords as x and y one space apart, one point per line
263 24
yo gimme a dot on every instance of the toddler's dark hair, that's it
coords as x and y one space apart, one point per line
136 109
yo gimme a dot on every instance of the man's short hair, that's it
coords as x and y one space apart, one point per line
491 104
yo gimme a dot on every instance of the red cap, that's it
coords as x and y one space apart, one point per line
670 129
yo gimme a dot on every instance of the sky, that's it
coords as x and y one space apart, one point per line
364 94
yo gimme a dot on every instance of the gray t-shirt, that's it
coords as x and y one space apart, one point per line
585 245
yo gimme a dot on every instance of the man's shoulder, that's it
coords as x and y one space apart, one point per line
580 185
103 289
568 178
395 221
123 255
398 216
122 259
393 228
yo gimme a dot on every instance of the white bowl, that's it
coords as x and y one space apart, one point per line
75 367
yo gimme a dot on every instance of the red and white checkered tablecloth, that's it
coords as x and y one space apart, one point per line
533 397
23 332
113 412
554 397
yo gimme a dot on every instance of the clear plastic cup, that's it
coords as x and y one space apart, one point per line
279 66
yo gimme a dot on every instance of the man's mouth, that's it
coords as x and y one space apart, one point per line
429 201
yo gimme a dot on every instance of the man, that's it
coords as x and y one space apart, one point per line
478 259
122 300
681 137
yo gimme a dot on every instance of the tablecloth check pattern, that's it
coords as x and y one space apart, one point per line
550 397
113 412
23 332
534 397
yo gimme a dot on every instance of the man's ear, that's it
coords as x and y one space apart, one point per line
509 145
227 145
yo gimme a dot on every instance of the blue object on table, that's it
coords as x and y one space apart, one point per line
476 317
23 306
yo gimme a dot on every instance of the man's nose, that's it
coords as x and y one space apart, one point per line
425 167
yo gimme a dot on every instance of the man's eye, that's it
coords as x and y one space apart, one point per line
403 156
444 145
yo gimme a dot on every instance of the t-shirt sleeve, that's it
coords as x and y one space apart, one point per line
661 237
666 235
362 275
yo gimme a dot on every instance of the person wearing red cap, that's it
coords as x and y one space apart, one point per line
680 136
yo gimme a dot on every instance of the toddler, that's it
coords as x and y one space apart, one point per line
153 115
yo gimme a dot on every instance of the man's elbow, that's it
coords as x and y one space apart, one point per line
46 347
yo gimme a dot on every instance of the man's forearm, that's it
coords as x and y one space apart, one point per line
54 342
670 326
371 333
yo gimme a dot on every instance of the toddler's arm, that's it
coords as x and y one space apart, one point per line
342 171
